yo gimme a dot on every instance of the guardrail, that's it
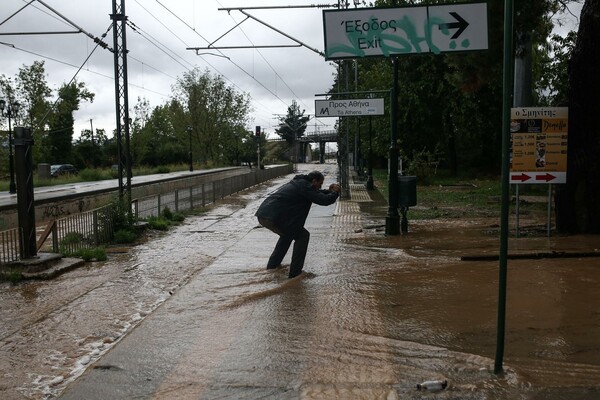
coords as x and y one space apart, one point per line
93 228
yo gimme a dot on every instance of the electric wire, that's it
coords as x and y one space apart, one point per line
234 63
161 23
207 62
263 57
211 65
148 37
73 24
16 12
155 43
43 120
81 67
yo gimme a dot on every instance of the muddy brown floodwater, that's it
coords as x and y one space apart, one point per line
372 317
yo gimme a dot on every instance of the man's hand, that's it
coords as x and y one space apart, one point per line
334 187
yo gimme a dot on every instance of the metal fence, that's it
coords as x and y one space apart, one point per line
84 230
92 228
10 241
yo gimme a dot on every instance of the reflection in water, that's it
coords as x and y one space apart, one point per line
371 317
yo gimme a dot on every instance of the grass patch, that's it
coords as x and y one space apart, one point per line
98 254
99 174
13 276
460 197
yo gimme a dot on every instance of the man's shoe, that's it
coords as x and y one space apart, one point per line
294 274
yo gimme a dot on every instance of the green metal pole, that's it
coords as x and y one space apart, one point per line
507 101
392 220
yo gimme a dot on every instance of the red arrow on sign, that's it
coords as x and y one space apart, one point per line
546 177
522 177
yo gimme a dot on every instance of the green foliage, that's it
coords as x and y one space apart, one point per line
423 165
178 217
69 242
90 150
91 175
215 112
61 123
167 213
158 223
125 236
12 275
98 254
293 125
72 238
171 216
119 214
553 84
451 102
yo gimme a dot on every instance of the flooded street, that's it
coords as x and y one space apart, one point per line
194 314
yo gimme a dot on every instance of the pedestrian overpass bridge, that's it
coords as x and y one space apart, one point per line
320 137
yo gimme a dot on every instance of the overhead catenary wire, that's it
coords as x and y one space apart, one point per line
233 62
176 58
90 70
43 120
16 12
213 67
262 55
156 44
276 30
91 36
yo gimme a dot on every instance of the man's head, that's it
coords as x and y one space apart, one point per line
316 179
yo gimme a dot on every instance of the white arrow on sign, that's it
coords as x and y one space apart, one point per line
368 32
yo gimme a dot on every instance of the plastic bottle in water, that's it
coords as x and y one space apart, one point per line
433 386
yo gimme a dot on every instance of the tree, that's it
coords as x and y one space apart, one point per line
34 93
292 127
553 85
61 123
578 201
452 101
159 141
30 89
214 110
90 149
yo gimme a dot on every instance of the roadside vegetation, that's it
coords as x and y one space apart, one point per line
444 196
101 174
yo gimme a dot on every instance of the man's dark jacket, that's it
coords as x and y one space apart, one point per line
289 206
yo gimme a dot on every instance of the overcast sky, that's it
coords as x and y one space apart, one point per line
158 56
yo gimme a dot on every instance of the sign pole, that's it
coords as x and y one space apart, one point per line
507 96
392 220
549 208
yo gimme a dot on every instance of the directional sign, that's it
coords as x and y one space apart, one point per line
348 108
370 32
539 144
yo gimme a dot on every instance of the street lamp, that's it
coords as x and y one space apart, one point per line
8 110
189 131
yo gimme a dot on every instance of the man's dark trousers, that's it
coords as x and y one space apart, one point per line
300 237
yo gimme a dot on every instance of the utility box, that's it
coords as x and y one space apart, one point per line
44 171
407 191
